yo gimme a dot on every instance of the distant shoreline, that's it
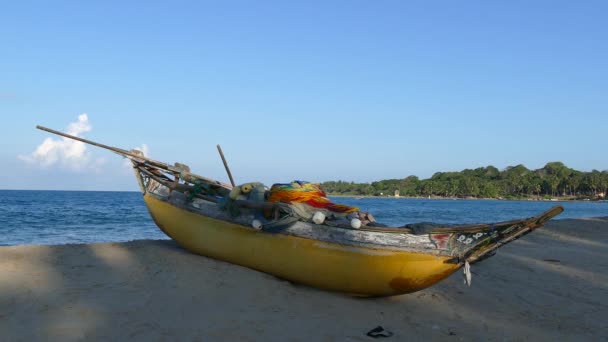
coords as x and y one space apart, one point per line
555 199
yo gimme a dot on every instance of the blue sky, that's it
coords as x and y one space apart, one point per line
328 90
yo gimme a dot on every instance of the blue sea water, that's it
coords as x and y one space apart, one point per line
59 217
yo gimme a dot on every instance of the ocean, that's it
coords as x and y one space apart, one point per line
62 217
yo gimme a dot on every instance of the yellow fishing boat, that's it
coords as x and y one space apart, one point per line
331 247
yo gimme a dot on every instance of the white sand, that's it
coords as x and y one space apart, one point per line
549 285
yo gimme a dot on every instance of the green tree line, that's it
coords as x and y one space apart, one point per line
553 180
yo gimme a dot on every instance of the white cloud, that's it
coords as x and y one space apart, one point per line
65 152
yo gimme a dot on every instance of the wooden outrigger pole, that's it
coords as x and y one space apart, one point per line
141 159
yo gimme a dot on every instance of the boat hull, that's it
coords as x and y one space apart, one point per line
354 270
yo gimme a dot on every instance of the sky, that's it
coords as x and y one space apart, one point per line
309 90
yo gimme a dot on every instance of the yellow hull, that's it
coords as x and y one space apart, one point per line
330 266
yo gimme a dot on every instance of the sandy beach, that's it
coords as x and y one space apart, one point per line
549 285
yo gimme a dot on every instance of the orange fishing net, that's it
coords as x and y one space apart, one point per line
309 193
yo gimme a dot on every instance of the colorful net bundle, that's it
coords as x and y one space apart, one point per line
308 193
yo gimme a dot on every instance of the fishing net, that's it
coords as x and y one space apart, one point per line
306 193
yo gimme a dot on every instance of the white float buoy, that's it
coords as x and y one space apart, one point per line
318 217
257 224
355 223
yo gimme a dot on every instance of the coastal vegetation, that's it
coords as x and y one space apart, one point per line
552 181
